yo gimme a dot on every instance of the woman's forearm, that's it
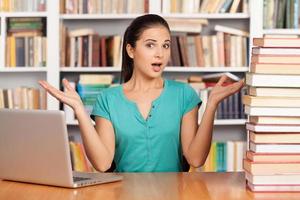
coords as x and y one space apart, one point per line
201 143
95 149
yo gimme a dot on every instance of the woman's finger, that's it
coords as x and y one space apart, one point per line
52 90
222 80
67 85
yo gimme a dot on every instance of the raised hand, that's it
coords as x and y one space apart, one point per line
219 92
69 97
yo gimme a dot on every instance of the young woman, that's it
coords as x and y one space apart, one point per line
148 123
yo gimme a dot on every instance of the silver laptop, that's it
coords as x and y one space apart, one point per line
34 148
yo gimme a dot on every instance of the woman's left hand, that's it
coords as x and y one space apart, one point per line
219 92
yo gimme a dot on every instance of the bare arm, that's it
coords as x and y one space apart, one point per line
196 140
99 143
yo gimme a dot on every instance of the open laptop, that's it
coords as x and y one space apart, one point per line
34 148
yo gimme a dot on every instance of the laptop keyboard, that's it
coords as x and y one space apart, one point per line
75 179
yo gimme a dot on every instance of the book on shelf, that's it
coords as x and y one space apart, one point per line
273 157
273 127
273 120
269 168
274 137
272 111
214 77
186 25
274 148
276 42
230 30
272 80
280 179
258 101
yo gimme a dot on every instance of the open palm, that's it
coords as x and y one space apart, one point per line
69 97
219 92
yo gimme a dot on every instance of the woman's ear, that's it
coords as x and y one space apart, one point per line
130 51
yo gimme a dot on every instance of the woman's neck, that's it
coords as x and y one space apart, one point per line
141 83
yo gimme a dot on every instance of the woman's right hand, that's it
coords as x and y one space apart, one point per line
69 97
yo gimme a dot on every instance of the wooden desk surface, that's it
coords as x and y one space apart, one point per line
174 186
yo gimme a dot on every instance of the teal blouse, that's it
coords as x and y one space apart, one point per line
151 145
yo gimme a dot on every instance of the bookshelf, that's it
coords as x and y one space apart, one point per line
231 129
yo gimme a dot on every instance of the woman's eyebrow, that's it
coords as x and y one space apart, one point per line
153 40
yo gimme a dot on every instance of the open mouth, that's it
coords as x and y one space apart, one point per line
156 66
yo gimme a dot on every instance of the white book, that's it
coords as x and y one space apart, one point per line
293 179
274 148
272 128
230 156
272 111
240 149
273 188
275 51
272 80
231 30
274 92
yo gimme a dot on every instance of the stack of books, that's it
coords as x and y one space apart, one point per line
272 162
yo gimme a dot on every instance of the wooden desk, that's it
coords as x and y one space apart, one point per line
174 186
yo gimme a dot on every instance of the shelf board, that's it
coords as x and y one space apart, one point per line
206 69
23 69
98 16
167 69
23 14
282 31
230 121
208 15
173 15
90 69
217 122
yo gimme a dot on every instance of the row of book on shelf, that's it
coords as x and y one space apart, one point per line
26 42
281 14
23 5
23 98
205 6
273 104
224 157
229 47
104 6
167 6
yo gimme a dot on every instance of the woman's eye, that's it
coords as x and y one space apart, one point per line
150 45
166 46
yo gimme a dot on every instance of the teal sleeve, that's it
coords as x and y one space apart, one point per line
190 99
101 107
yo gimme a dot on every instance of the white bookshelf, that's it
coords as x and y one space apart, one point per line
115 23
